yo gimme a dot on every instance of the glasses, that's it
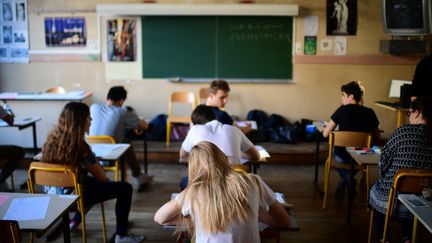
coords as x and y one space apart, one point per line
409 112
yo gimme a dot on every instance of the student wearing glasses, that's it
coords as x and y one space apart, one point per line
351 116
410 146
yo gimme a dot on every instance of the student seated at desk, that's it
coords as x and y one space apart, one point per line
410 146
66 145
218 92
350 116
220 204
233 143
10 154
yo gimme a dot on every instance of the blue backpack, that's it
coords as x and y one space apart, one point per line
157 128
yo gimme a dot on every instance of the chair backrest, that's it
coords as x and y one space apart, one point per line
9 231
181 97
100 139
350 139
56 90
49 174
202 95
412 180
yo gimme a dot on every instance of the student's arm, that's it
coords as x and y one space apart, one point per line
8 119
183 155
329 128
97 171
246 129
251 154
276 216
168 214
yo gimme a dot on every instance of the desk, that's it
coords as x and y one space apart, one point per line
361 159
254 164
58 207
396 108
46 106
23 123
421 213
105 151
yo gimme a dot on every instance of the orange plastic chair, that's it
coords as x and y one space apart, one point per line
178 97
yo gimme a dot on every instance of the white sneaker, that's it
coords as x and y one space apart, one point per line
129 238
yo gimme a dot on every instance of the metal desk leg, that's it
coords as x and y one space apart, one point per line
351 190
66 230
145 153
317 141
35 149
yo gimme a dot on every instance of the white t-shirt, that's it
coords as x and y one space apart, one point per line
227 138
237 232
112 121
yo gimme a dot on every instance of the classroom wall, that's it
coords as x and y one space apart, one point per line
314 93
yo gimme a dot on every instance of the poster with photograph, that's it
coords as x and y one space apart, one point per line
341 17
65 31
121 37
14 42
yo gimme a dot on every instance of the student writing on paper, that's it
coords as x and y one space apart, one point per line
410 146
10 155
350 116
217 99
220 204
233 143
66 145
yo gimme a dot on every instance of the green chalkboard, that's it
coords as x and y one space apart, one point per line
207 47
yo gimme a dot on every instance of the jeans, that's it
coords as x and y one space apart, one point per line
13 154
95 192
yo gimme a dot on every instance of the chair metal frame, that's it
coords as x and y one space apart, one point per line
178 97
405 181
117 166
10 231
344 139
49 174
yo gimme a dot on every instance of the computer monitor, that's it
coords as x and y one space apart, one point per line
395 87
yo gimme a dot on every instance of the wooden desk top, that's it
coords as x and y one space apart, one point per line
369 158
71 96
20 121
390 106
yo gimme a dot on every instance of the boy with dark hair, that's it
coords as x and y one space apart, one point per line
217 99
351 116
112 119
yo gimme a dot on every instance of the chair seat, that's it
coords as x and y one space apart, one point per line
179 119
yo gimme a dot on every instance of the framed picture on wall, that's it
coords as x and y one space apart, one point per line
341 17
121 40
65 31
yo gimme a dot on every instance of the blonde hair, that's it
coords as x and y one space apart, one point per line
217 193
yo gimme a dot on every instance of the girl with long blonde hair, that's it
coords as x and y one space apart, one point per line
222 204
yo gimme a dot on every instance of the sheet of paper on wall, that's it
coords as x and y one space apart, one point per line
340 45
310 25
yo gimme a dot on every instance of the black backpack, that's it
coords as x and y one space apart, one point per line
260 117
281 131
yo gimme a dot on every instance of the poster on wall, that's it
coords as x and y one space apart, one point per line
65 31
121 37
14 43
341 17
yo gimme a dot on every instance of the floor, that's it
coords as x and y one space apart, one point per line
296 182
